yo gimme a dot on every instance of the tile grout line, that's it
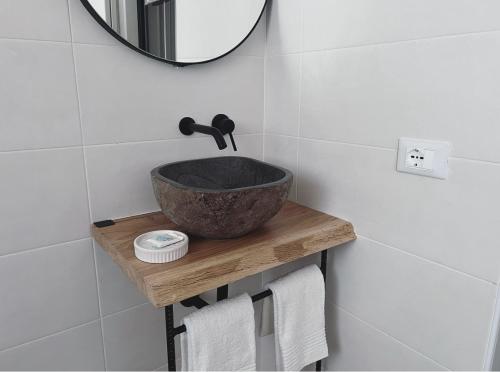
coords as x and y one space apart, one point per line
442 265
265 93
29 250
389 43
196 137
370 325
299 126
68 147
346 143
96 44
425 38
376 147
86 173
264 121
125 310
72 328
101 323
486 162
96 320
266 133
21 39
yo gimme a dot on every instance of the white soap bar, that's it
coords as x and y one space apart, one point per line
164 240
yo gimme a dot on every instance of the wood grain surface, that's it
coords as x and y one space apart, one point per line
295 232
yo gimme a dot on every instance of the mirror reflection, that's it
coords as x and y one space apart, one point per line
182 31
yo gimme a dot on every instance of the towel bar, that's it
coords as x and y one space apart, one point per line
198 302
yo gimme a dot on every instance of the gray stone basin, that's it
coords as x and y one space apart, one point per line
220 198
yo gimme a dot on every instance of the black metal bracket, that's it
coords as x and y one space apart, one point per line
222 292
198 302
195 301
104 223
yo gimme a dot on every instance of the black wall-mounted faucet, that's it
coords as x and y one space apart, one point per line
188 126
221 125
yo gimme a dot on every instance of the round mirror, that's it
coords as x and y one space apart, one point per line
180 32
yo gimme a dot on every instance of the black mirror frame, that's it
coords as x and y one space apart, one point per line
118 37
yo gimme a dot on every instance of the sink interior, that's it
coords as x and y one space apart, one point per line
222 173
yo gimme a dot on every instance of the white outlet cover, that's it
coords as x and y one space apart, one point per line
423 157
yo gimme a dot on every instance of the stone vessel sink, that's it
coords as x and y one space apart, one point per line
220 198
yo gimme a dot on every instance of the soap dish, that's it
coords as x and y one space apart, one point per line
161 246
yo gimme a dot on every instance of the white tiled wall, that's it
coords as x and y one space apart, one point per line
84 120
344 80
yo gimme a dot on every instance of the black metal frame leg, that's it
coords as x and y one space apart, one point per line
324 262
169 327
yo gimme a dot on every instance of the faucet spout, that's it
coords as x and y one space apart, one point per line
211 131
188 126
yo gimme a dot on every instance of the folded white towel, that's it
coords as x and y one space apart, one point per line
220 337
299 319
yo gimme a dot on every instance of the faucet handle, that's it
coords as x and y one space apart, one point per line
225 125
185 126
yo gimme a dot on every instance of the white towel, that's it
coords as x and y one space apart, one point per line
299 318
220 337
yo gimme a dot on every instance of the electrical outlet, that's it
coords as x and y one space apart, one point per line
419 158
423 157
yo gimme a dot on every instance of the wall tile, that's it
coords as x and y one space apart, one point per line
256 42
251 285
76 349
118 106
266 360
43 199
116 291
135 339
249 145
283 95
34 19
437 89
39 104
431 314
84 27
45 291
41 110
356 346
449 225
282 151
340 23
132 163
375 87
284 26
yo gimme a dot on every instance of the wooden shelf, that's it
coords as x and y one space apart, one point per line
295 232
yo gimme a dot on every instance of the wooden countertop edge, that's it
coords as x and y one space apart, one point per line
120 260
153 285
157 286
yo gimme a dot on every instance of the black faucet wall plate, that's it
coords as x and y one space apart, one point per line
185 126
